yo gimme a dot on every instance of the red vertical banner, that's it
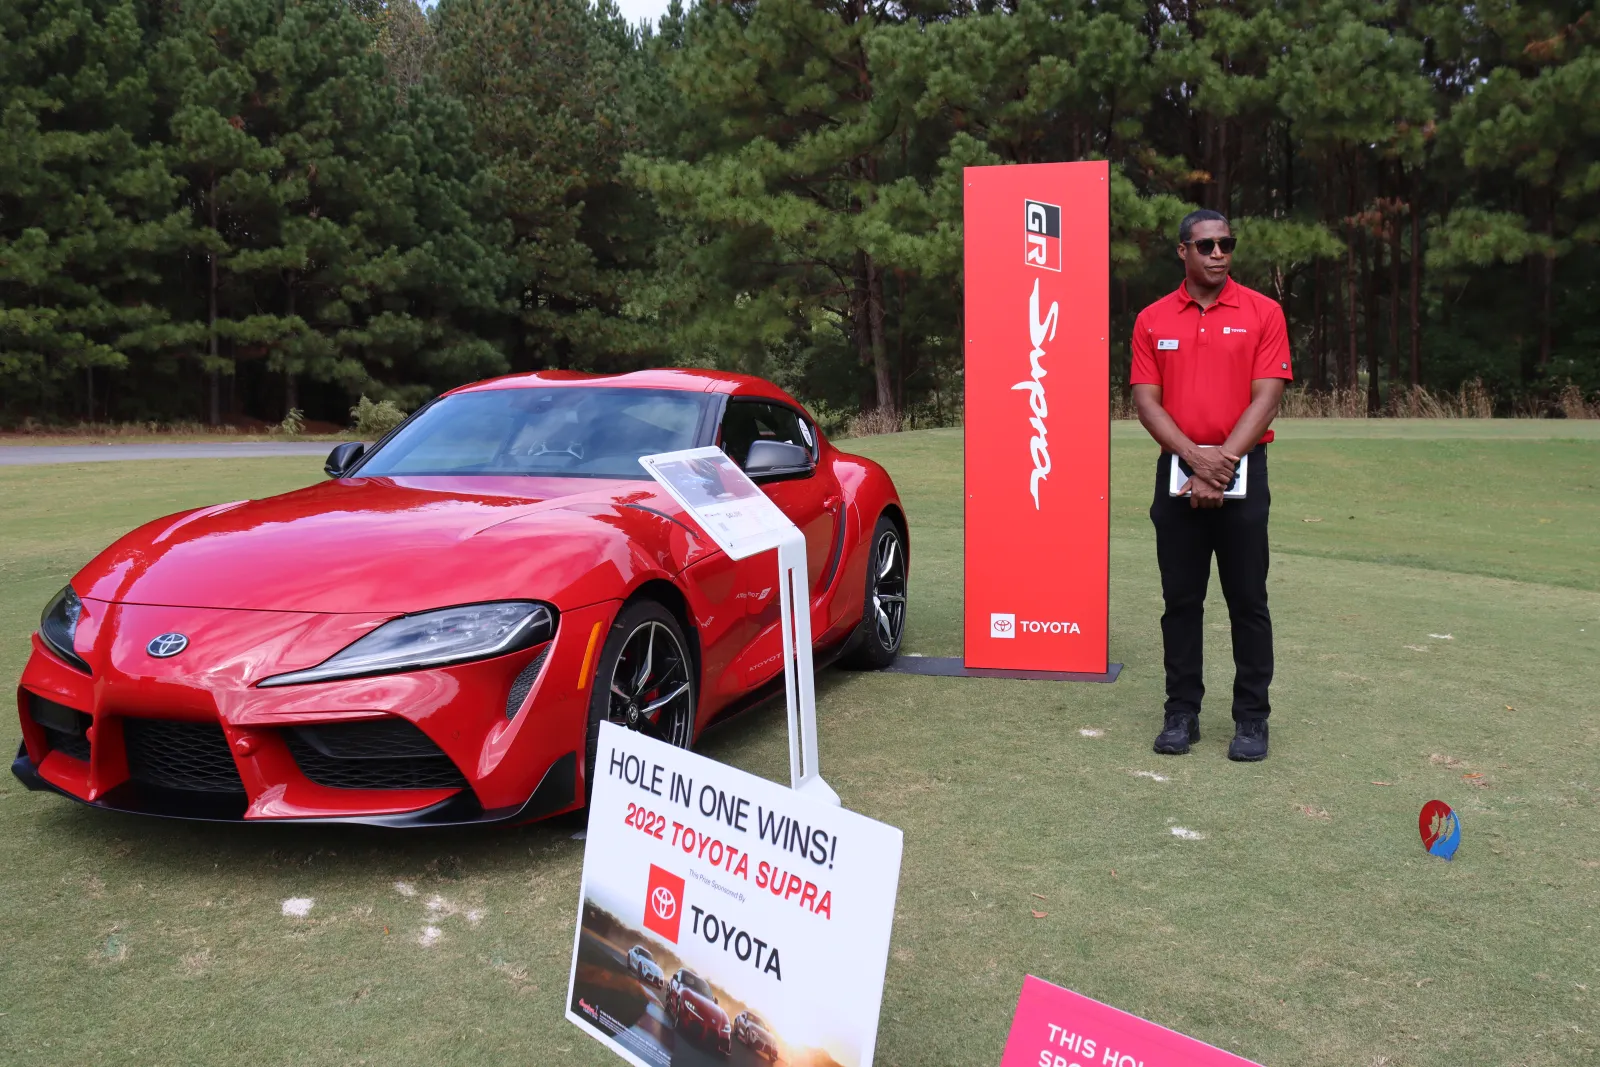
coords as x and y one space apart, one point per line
1038 287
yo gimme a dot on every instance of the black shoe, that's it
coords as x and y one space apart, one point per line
1249 743
1181 731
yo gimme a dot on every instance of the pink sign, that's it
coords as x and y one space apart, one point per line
1056 1027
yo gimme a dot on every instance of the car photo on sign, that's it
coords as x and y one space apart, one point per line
434 634
684 1020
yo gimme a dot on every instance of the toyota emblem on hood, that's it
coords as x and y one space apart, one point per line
167 645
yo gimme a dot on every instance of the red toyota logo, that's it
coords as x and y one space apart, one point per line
1002 625
663 897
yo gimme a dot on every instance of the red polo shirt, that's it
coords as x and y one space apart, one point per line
1204 359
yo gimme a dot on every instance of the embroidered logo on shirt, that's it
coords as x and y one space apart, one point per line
1167 344
1233 329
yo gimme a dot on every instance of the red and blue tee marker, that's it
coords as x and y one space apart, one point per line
1440 828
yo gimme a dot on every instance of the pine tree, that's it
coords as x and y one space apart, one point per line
87 207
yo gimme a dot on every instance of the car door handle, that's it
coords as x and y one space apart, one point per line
831 503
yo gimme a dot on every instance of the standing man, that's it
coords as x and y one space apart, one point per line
1210 362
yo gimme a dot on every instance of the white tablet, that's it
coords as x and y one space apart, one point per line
1181 475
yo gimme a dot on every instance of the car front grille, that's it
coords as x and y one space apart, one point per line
66 729
373 754
180 755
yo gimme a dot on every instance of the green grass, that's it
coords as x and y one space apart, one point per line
1306 927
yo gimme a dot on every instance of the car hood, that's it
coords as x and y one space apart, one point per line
401 545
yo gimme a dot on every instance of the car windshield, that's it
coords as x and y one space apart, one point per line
755 1020
696 983
644 953
582 431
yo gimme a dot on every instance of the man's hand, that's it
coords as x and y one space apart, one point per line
1203 494
1212 465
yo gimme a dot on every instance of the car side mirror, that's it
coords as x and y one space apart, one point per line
767 458
343 457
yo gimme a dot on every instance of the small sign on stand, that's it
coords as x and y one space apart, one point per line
738 516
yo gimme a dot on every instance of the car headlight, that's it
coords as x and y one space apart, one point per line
59 625
433 639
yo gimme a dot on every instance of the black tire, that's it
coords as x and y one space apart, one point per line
876 642
672 681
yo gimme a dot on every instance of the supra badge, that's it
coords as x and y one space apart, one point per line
165 646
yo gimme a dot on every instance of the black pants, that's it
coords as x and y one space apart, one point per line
1186 538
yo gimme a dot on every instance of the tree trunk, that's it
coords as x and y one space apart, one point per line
881 371
291 388
1369 312
1547 297
1416 284
859 328
88 384
1319 332
214 412
1394 297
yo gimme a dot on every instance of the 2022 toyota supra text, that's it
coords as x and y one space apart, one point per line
433 635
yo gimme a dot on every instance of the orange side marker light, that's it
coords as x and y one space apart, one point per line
588 657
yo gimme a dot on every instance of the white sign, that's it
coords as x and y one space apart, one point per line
739 517
732 509
723 916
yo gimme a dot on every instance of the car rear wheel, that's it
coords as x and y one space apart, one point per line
883 620
644 681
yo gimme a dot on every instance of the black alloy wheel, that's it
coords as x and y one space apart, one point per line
645 680
883 619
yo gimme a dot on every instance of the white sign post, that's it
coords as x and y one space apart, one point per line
725 919
738 516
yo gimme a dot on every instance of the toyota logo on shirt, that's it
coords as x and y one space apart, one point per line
663 903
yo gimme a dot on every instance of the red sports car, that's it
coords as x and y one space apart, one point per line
693 1011
433 636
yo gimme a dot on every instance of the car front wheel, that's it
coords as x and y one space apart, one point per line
645 680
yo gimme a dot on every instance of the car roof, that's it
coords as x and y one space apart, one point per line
691 380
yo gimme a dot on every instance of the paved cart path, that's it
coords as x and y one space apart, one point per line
27 455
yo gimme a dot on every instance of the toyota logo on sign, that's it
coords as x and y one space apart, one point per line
1002 625
662 897
167 645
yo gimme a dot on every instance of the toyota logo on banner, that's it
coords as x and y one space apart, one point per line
663 908
663 903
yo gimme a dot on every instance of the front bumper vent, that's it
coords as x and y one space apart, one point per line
524 683
172 754
373 754
66 729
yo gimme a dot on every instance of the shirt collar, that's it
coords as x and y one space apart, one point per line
1228 296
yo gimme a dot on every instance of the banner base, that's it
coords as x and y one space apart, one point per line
953 667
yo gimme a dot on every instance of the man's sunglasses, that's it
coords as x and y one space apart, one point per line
1206 244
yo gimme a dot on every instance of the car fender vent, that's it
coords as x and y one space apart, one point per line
66 729
177 754
389 753
524 683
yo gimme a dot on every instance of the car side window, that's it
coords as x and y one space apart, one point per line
746 422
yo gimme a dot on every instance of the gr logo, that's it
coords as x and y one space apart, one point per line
1004 626
1043 222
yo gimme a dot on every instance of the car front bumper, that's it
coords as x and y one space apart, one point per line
490 741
